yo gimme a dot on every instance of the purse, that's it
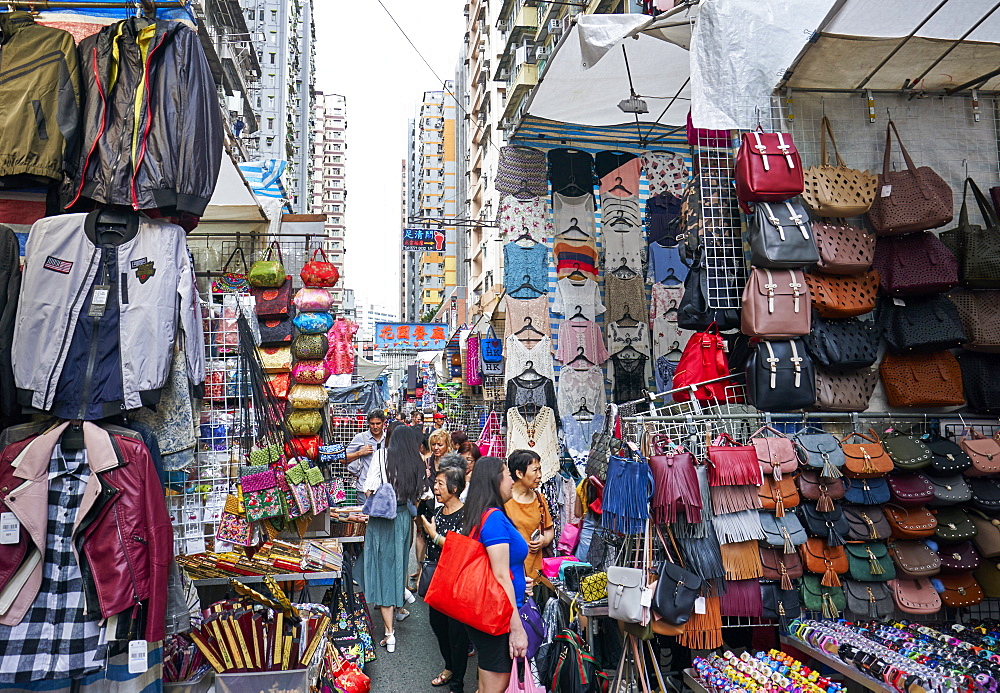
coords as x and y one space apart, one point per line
534 628
594 587
828 600
780 376
233 282
313 300
304 422
272 302
869 561
319 273
867 459
915 596
778 565
950 490
676 589
275 359
979 381
914 199
694 311
866 522
837 191
928 323
780 237
768 168
820 450
313 323
979 312
954 525
627 491
823 559
676 491
781 605
850 392
786 532
842 296
268 273
275 331
831 526
775 304
843 249
914 559
978 249
551 564
625 588
843 344
778 495
916 264
960 590
775 453
983 451
701 137
572 574
947 457
988 577
985 495
912 488
312 372
307 396
703 360
906 451
731 464
383 502
868 599
987 538
922 380
910 523
814 487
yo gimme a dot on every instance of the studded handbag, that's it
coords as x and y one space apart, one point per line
910 523
926 323
984 453
837 191
922 380
839 296
954 525
947 456
843 249
907 452
960 590
915 596
910 488
867 458
914 559
780 236
950 490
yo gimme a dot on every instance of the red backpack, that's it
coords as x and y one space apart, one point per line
704 359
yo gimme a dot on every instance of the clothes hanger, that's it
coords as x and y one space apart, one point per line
573 227
524 191
626 320
675 348
618 186
636 354
671 276
528 326
525 235
623 271
620 220
578 314
580 355
71 439
582 409
527 285
577 274
671 311
530 370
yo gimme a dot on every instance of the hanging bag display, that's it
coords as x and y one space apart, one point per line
984 452
910 523
491 348
676 587
869 562
908 452
778 565
977 248
865 459
268 273
843 344
925 323
849 391
313 300
270 303
866 522
914 559
960 590
835 296
786 532
950 490
869 599
776 304
703 360
914 199
843 249
979 312
914 265
602 444
815 487
233 282
922 380
775 452
979 381
694 311
837 191
768 168
821 451
780 236
732 464
675 483
627 492
491 441
275 331
948 458
910 489
953 525
473 374
780 376
915 596
319 273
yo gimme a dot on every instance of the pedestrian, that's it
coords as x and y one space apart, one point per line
458 437
470 451
453 640
439 444
362 446
528 509
490 488
387 542
417 419
454 460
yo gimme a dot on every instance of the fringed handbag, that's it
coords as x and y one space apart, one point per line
741 526
734 499
731 464
675 483
742 599
704 630
627 492
742 560
702 555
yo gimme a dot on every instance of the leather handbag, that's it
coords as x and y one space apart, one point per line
837 191
866 459
954 525
843 344
866 523
907 452
775 453
868 599
914 199
814 487
702 137
768 168
786 532
869 561
275 331
778 565
987 538
573 574
911 488
977 248
922 380
850 391
781 605
272 302
843 249
988 577
929 323
703 360
775 304
914 559
676 588
778 495
979 312
823 559
910 523
960 589
985 495
732 464
950 490
694 311
983 451
830 526
979 383
780 236
843 296
915 596
820 450
780 376
947 456
319 273
867 491
625 588
827 600
916 264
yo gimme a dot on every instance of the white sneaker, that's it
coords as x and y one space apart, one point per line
409 596
390 643
402 615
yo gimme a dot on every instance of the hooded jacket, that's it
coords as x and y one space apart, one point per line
39 102
152 122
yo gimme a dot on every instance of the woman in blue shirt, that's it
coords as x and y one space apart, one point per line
489 488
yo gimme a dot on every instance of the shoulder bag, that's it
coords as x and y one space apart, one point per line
837 191
914 559
988 577
703 359
625 590
820 450
319 273
781 605
701 137
601 446
823 559
910 489
983 451
947 457
786 532
627 492
694 311
867 491
843 344
914 265
843 296
778 565
814 487
731 464
985 495
868 599
850 391
869 562
775 304
268 273
950 490
987 538
828 600
979 312
866 523
915 596
778 495
960 590
768 168
675 482
780 237
906 451
979 381
910 523
780 376
954 525
843 249
866 459
914 199
977 248
676 588
922 380
775 453
233 282
927 323
831 526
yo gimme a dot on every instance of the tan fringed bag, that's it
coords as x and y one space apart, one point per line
742 560
837 191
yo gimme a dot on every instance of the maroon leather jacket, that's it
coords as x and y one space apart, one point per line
122 533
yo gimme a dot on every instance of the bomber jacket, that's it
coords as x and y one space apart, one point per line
152 122
79 365
39 102
122 536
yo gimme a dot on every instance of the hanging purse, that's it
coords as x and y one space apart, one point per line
602 444
830 526
312 372
869 562
491 348
924 324
675 481
979 383
780 237
820 450
625 588
843 249
268 273
840 296
781 605
915 596
843 344
823 559
950 490
983 451
731 464
307 396
910 523
775 453
922 380
703 359
775 304
308 347
694 311
278 384
233 282
868 599
768 168
987 539
979 312
780 376
304 422
778 565
272 302
954 525
275 331
473 373
871 491
491 441
866 522
701 137
977 248
866 459
676 588
786 532
914 199
910 489
778 495
906 451
916 264
829 601
914 559
850 392
319 273
985 495
824 491
276 359
947 456
837 191
627 491
313 323
960 590
313 300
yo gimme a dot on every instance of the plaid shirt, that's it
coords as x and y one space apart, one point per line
56 639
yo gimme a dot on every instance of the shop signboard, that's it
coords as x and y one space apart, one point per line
411 336
418 240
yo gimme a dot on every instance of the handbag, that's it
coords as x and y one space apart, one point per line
778 565
988 577
906 451
780 376
491 348
571 574
987 538
985 495
910 523
601 444
831 526
491 441
534 628
312 372
866 522
233 282
701 137
550 565
594 587
780 237
675 483
826 599
307 396
820 450
914 199
979 383
627 491
910 489
775 453
851 391
914 559
786 532
775 304
703 359
695 311
915 596
464 587
869 561
568 539
731 464
625 588
947 456
823 559
950 490
521 678
778 495
922 380
954 525
319 273
313 323
843 249
383 502
983 451
815 487
843 344
278 384
959 558
978 249
868 599
779 604
275 331
268 273
866 459
768 168
979 312
272 302
676 588
304 422
313 300
914 265
924 324
837 191
842 296
960 590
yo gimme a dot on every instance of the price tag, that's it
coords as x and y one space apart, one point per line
647 596
886 190
137 656
99 303
699 605
10 528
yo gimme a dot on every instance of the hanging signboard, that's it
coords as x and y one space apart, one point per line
413 336
423 239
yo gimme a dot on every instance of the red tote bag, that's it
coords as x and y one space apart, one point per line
704 358
464 587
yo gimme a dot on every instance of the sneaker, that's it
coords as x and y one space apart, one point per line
402 615
390 642
409 596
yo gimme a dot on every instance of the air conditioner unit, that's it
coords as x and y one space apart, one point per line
543 52
555 26
503 75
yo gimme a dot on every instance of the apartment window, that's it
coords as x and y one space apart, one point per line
271 80
250 15
336 170
270 123
274 15
336 208
273 56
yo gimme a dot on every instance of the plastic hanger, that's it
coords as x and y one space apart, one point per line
573 227
636 354
623 271
530 370
618 186
671 276
578 314
580 355
528 326
582 409
527 285
675 348
576 273
525 234
626 320
524 191
71 439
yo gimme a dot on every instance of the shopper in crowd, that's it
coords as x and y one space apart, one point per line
361 448
457 438
387 542
527 507
453 460
417 419
439 444
429 426
469 451
490 488
453 640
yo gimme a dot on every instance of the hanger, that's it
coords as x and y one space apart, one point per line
577 274
530 370
636 354
583 408
580 355
524 190
525 235
72 438
626 320
621 220
675 348
526 285
573 227
528 326
573 185
148 9
578 314
623 271
618 186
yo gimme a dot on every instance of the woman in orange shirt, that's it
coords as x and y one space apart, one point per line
528 509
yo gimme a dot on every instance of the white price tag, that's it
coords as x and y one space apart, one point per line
100 297
886 190
699 605
137 656
10 528
647 597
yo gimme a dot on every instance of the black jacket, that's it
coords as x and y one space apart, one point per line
152 122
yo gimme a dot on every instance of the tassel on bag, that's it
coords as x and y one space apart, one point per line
830 470
832 538
825 502
872 606
742 561
676 490
830 577
736 527
779 503
874 566
872 531
866 493
789 547
734 499
867 467
786 581
829 609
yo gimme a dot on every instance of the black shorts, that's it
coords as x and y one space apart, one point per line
493 650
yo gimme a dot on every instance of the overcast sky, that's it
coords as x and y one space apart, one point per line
362 55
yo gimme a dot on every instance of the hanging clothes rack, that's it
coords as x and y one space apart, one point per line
42 5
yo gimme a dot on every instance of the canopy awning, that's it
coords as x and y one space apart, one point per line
232 199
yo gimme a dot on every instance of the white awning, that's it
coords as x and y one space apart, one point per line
232 199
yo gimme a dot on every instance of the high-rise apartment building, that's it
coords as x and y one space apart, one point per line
367 315
329 169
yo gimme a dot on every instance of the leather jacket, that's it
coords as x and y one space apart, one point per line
122 535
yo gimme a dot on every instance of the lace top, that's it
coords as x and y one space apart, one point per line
530 395
570 294
665 172
625 296
629 377
580 337
517 309
540 435
516 357
581 388
517 216
577 435
522 265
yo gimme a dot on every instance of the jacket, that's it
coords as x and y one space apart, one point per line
122 537
152 122
39 102
78 365
10 287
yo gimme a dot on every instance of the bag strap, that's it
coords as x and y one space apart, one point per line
824 130
482 520
273 245
321 252
889 129
243 259
985 208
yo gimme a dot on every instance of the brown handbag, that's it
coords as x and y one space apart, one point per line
867 459
987 538
915 596
840 296
843 249
776 304
837 191
849 391
823 559
741 560
914 199
820 489
922 380
979 312
914 559
779 565
960 589
984 453
778 495
775 453
910 523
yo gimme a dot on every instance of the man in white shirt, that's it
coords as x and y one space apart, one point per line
362 448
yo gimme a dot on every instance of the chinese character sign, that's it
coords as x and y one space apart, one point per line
423 239
418 336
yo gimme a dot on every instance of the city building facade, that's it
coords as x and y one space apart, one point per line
329 175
